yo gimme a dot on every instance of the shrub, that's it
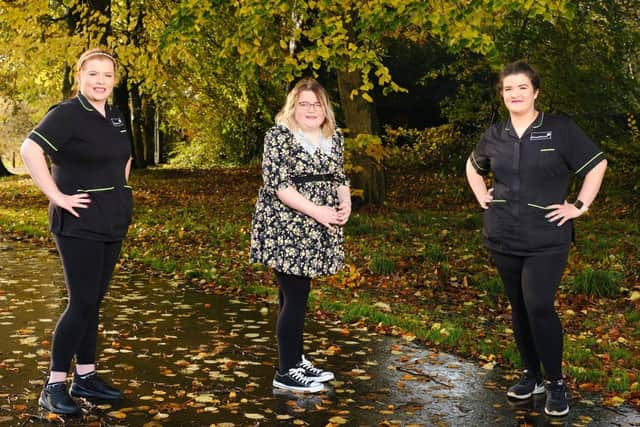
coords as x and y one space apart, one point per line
419 148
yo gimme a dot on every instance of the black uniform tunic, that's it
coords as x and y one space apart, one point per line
531 173
88 154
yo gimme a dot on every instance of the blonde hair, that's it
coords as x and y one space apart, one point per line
286 115
95 53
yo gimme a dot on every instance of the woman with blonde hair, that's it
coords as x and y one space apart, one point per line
297 225
89 214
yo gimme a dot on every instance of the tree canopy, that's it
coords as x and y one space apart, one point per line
213 73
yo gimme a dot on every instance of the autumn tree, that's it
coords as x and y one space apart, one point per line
285 40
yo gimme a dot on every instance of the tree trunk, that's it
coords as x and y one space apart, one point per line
360 118
147 124
358 113
137 137
73 20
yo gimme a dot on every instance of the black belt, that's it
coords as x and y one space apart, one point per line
311 178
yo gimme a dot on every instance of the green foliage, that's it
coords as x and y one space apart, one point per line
218 71
434 253
581 374
363 162
618 381
437 147
381 264
588 52
488 283
362 146
601 283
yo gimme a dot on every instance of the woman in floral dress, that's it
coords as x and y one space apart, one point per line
297 225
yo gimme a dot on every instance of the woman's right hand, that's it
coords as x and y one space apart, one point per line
486 198
69 202
326 215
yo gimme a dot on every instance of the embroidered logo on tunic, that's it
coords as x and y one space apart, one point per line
540 136
117 122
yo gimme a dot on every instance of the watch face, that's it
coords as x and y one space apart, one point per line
578 204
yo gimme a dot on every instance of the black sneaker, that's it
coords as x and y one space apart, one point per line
54 398
557 404
530 383
92 386
296 380
316 374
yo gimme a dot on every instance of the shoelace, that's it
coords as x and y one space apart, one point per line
309 367
298 375
557 390
528 376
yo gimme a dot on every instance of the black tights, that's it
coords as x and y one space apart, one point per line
531 283
292 295
88 266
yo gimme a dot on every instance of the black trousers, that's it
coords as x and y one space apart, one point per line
88 266
293 292
531 283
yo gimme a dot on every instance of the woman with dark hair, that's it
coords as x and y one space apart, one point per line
89 213
528 224
297 225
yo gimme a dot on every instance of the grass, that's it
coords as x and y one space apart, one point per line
415 265
381 264
600 283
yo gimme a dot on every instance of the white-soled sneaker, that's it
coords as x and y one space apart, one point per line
314 373
557 404
296 380
530 383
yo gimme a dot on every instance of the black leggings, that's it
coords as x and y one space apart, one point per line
531 283
88 266
293 293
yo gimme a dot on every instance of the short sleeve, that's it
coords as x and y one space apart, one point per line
580 152
479 157
276 158
54 131
340 176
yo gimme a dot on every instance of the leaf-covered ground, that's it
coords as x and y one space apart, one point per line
183 358
415 266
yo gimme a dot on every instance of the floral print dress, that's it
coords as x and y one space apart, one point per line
285 239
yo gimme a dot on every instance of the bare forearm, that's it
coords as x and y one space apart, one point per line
592 182
344 194
476 182
127 170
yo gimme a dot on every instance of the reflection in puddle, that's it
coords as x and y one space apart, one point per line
182 357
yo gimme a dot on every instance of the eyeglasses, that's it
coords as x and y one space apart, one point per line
307 105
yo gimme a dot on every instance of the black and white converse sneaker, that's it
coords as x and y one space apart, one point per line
530 383
316 374
296 380
557 404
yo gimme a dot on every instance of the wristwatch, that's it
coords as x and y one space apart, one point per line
579 204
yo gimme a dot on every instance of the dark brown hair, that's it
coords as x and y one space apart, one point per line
519 67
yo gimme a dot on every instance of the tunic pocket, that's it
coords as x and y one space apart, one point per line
118 207
91 220
498 222
543 234
548 160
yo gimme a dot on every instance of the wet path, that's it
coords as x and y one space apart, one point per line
186 358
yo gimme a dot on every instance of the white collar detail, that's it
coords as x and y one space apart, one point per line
324 146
